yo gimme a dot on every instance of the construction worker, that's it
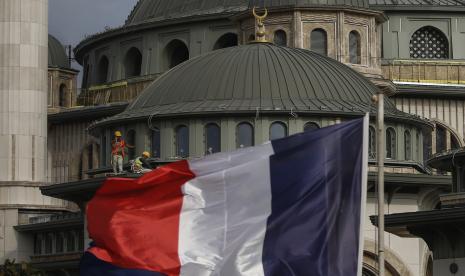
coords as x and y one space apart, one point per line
141 164
118 147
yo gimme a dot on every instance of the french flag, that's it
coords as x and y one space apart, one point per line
293 206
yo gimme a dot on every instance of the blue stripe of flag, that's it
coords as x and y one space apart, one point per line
92 266
316 199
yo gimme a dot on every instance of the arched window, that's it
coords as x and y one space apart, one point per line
49 243
155 143
212 138
59 244
429 267
90 157
367 272
278 130
38 244
176 52
103 153
427 145
244 135
102 70
225 41
355 49
429 43
131 144
441 139
70 242
319 42
372 142
408 145
80 240
454 142
310 126
391 142
133 63
182 141
85 78
62 96
280 38
417 144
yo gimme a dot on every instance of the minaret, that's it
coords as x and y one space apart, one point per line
23 120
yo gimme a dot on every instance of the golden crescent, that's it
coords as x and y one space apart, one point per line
260 16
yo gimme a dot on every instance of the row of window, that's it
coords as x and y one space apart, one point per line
245 137
319 43
175 52
426 43
391 143
58 242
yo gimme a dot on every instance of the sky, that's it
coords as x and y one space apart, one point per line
71 20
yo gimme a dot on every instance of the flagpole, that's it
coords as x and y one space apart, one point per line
380 156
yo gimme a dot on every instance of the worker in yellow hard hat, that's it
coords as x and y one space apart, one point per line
141 164
118 148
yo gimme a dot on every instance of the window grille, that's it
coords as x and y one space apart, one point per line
429 43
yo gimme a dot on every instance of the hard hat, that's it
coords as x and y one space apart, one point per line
146 153
118 133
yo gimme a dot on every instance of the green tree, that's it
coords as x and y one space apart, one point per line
11 268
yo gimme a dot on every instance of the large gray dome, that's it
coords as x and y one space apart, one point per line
257 77
159 10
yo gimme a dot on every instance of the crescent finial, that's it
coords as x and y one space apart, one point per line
260 26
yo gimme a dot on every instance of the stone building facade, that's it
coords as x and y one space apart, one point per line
412 51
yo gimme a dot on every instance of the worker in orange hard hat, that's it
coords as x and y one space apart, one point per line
118 147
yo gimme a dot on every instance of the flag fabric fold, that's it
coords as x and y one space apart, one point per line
289 207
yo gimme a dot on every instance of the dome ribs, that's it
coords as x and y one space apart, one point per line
297 85
160 10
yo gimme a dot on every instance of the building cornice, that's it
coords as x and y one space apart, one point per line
399 224
89 112
430 91
73 222
418 8
83 191
131 29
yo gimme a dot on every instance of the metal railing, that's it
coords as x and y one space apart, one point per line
118 91
436 71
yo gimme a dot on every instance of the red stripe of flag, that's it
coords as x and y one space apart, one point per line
135 222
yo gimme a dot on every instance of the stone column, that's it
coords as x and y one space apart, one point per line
23 89
298 33
23 117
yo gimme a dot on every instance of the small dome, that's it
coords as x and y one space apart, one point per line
56 54
259 77
159 10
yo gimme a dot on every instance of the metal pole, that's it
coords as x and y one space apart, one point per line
380 155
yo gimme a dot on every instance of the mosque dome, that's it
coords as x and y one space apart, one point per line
56 53
159 10
258 77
